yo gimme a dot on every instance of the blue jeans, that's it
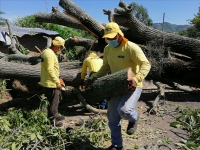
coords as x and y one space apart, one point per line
122 107
102 104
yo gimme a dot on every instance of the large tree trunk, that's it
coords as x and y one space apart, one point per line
108 86
70 72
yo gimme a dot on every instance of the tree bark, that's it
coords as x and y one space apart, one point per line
94 27
58 17
69 72
108 86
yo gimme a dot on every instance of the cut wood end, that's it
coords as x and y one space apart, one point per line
115 10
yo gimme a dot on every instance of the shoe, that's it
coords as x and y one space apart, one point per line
59 118
115 148
132 127
56 123
56 120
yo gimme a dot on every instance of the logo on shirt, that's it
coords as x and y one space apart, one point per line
108 29
120 56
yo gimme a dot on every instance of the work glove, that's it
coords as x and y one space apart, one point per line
62 85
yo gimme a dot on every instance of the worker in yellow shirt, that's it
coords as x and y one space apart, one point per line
93 63
49 78
120 54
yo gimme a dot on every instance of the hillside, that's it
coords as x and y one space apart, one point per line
168 27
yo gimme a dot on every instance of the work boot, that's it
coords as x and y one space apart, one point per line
115 148
56 120
59 117
132 127
57 123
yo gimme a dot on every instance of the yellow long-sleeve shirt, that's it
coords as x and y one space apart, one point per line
93 63
49 76
127 54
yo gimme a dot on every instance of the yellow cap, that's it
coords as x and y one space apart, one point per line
58 41
111 30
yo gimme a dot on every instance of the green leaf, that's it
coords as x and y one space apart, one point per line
13 147
175 124
33 136
190 143
55 134
39 136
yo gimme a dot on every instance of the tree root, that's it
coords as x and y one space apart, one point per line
160 96
186 88
86 105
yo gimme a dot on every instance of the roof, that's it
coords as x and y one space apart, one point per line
19 32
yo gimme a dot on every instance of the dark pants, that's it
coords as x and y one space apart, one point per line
52 95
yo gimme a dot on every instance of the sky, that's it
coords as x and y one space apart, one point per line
176 11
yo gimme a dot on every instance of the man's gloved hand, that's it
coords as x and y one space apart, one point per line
62 85
131 84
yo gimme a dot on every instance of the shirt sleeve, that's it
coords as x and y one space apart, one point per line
50 68
84 69
105 68
138 56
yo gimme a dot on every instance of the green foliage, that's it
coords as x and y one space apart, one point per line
65 32
23 50
194 30
191 32
28 21
141 14
2 20
2 87
196 21
93 132
189 119
22 129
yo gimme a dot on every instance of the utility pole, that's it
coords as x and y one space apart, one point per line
46 5
163 22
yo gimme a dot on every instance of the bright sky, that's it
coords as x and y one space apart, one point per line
176 11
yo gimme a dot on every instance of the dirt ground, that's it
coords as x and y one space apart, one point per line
152 128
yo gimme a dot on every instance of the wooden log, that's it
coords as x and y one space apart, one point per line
69 72
108 86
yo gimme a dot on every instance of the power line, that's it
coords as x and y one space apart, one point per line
175 22
157 19
172 20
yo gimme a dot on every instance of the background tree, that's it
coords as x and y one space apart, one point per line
2 22
141 14
196 21
194 30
